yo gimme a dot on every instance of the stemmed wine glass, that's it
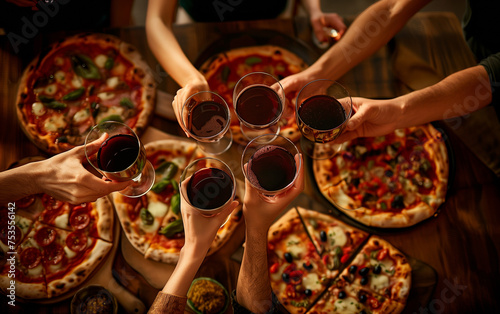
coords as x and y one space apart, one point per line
259 101
121 157
210 187
322 111
206 118
271 163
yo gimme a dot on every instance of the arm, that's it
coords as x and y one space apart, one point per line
161 39
199 233
253 290
63 176
457 95
319 20
372 29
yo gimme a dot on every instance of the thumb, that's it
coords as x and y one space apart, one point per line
356 120
93 147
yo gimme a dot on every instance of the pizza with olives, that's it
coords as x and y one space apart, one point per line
78 82
222 71
50 247
390 181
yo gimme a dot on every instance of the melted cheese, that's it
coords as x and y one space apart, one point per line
55 268
179 161
51 89
69 253
112 82
295 246
60 76
311 282
100 60
157 209
118 69
76 82
62 221
106 95
337 236
53 123
35 272
81 116
347 305
150 228
378 282
38 109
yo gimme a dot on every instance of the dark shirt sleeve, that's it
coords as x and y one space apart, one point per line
492 66
238 309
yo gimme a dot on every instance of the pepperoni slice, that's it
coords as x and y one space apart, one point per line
79 218
30 257
45 236
51 203
53 254
4 234
76 241
25 201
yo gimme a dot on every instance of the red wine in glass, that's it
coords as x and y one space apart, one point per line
208 118
118 152
209 188
272 168
320 117
258 105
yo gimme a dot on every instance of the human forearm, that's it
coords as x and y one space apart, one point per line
20 182
457 95
372 29
184 272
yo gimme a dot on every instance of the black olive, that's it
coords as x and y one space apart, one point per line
308 266
323 236
342 295
398 202
355 182
308 292
285 277
364 281
288 257
389 173
362 312
377 269
353 269
364 271
362 298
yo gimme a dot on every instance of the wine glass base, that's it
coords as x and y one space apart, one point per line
142 183
217 147
319 151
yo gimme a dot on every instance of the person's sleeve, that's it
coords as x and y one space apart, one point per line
492 66
239 309
168 303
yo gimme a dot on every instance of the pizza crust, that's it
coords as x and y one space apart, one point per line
105 221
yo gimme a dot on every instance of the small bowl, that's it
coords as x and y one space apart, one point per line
93 299
198 281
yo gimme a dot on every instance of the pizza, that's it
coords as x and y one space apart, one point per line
79 82
153 222
223 71
390 181
318 264
50 247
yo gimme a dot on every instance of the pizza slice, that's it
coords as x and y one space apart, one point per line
334 240
381 268
344 297
12 231
297 273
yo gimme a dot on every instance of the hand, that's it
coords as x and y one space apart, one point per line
66 179
260 212
200 230
372 118
293 84
320 20
183 94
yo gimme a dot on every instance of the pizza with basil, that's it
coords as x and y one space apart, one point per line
319 265
81 81
390 181
51 247
153 222
223 71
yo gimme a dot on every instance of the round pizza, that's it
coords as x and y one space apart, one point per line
77 83
49 247
390 181
223 71
318 265
153 222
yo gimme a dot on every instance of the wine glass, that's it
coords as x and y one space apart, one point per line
210 187
206 118
271 163
121 157
258 100
322 111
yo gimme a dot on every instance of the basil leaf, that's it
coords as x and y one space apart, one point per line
113 117
225 73
253 60
160 186
85 67
167 169
44 98
175 204
77 93
172 228
127 103
108 65
146 217
55 105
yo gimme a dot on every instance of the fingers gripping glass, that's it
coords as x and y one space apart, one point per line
258 100
206 117
120 157
271 164
323 109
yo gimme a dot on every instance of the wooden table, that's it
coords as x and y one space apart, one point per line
461 244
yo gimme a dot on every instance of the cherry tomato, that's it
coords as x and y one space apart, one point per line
382 254
274 268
